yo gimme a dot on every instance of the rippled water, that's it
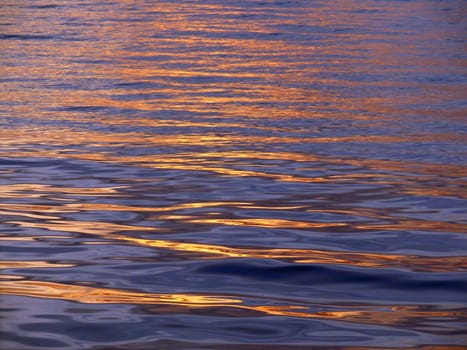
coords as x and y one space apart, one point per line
213 174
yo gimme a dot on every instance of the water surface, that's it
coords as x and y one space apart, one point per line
225 175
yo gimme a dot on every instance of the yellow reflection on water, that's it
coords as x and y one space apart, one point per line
73 207
408 177
385 315
40 190
87 227
210 251
390 221
29 215
5 237
255 222
380 220
46 91
83 294
12 264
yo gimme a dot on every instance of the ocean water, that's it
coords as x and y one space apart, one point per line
233 175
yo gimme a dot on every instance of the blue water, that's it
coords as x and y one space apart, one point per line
248 175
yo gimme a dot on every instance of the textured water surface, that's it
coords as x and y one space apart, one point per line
248 175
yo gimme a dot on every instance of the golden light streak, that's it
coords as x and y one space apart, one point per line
83 294
380 172
29 238
255 222
393 222
209 251
87 227
384 315
21 264
34 190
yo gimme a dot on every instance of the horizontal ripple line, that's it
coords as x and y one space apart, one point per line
109 231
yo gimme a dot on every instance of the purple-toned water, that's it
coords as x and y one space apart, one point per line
233 175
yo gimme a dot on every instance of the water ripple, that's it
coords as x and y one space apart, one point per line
233 175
